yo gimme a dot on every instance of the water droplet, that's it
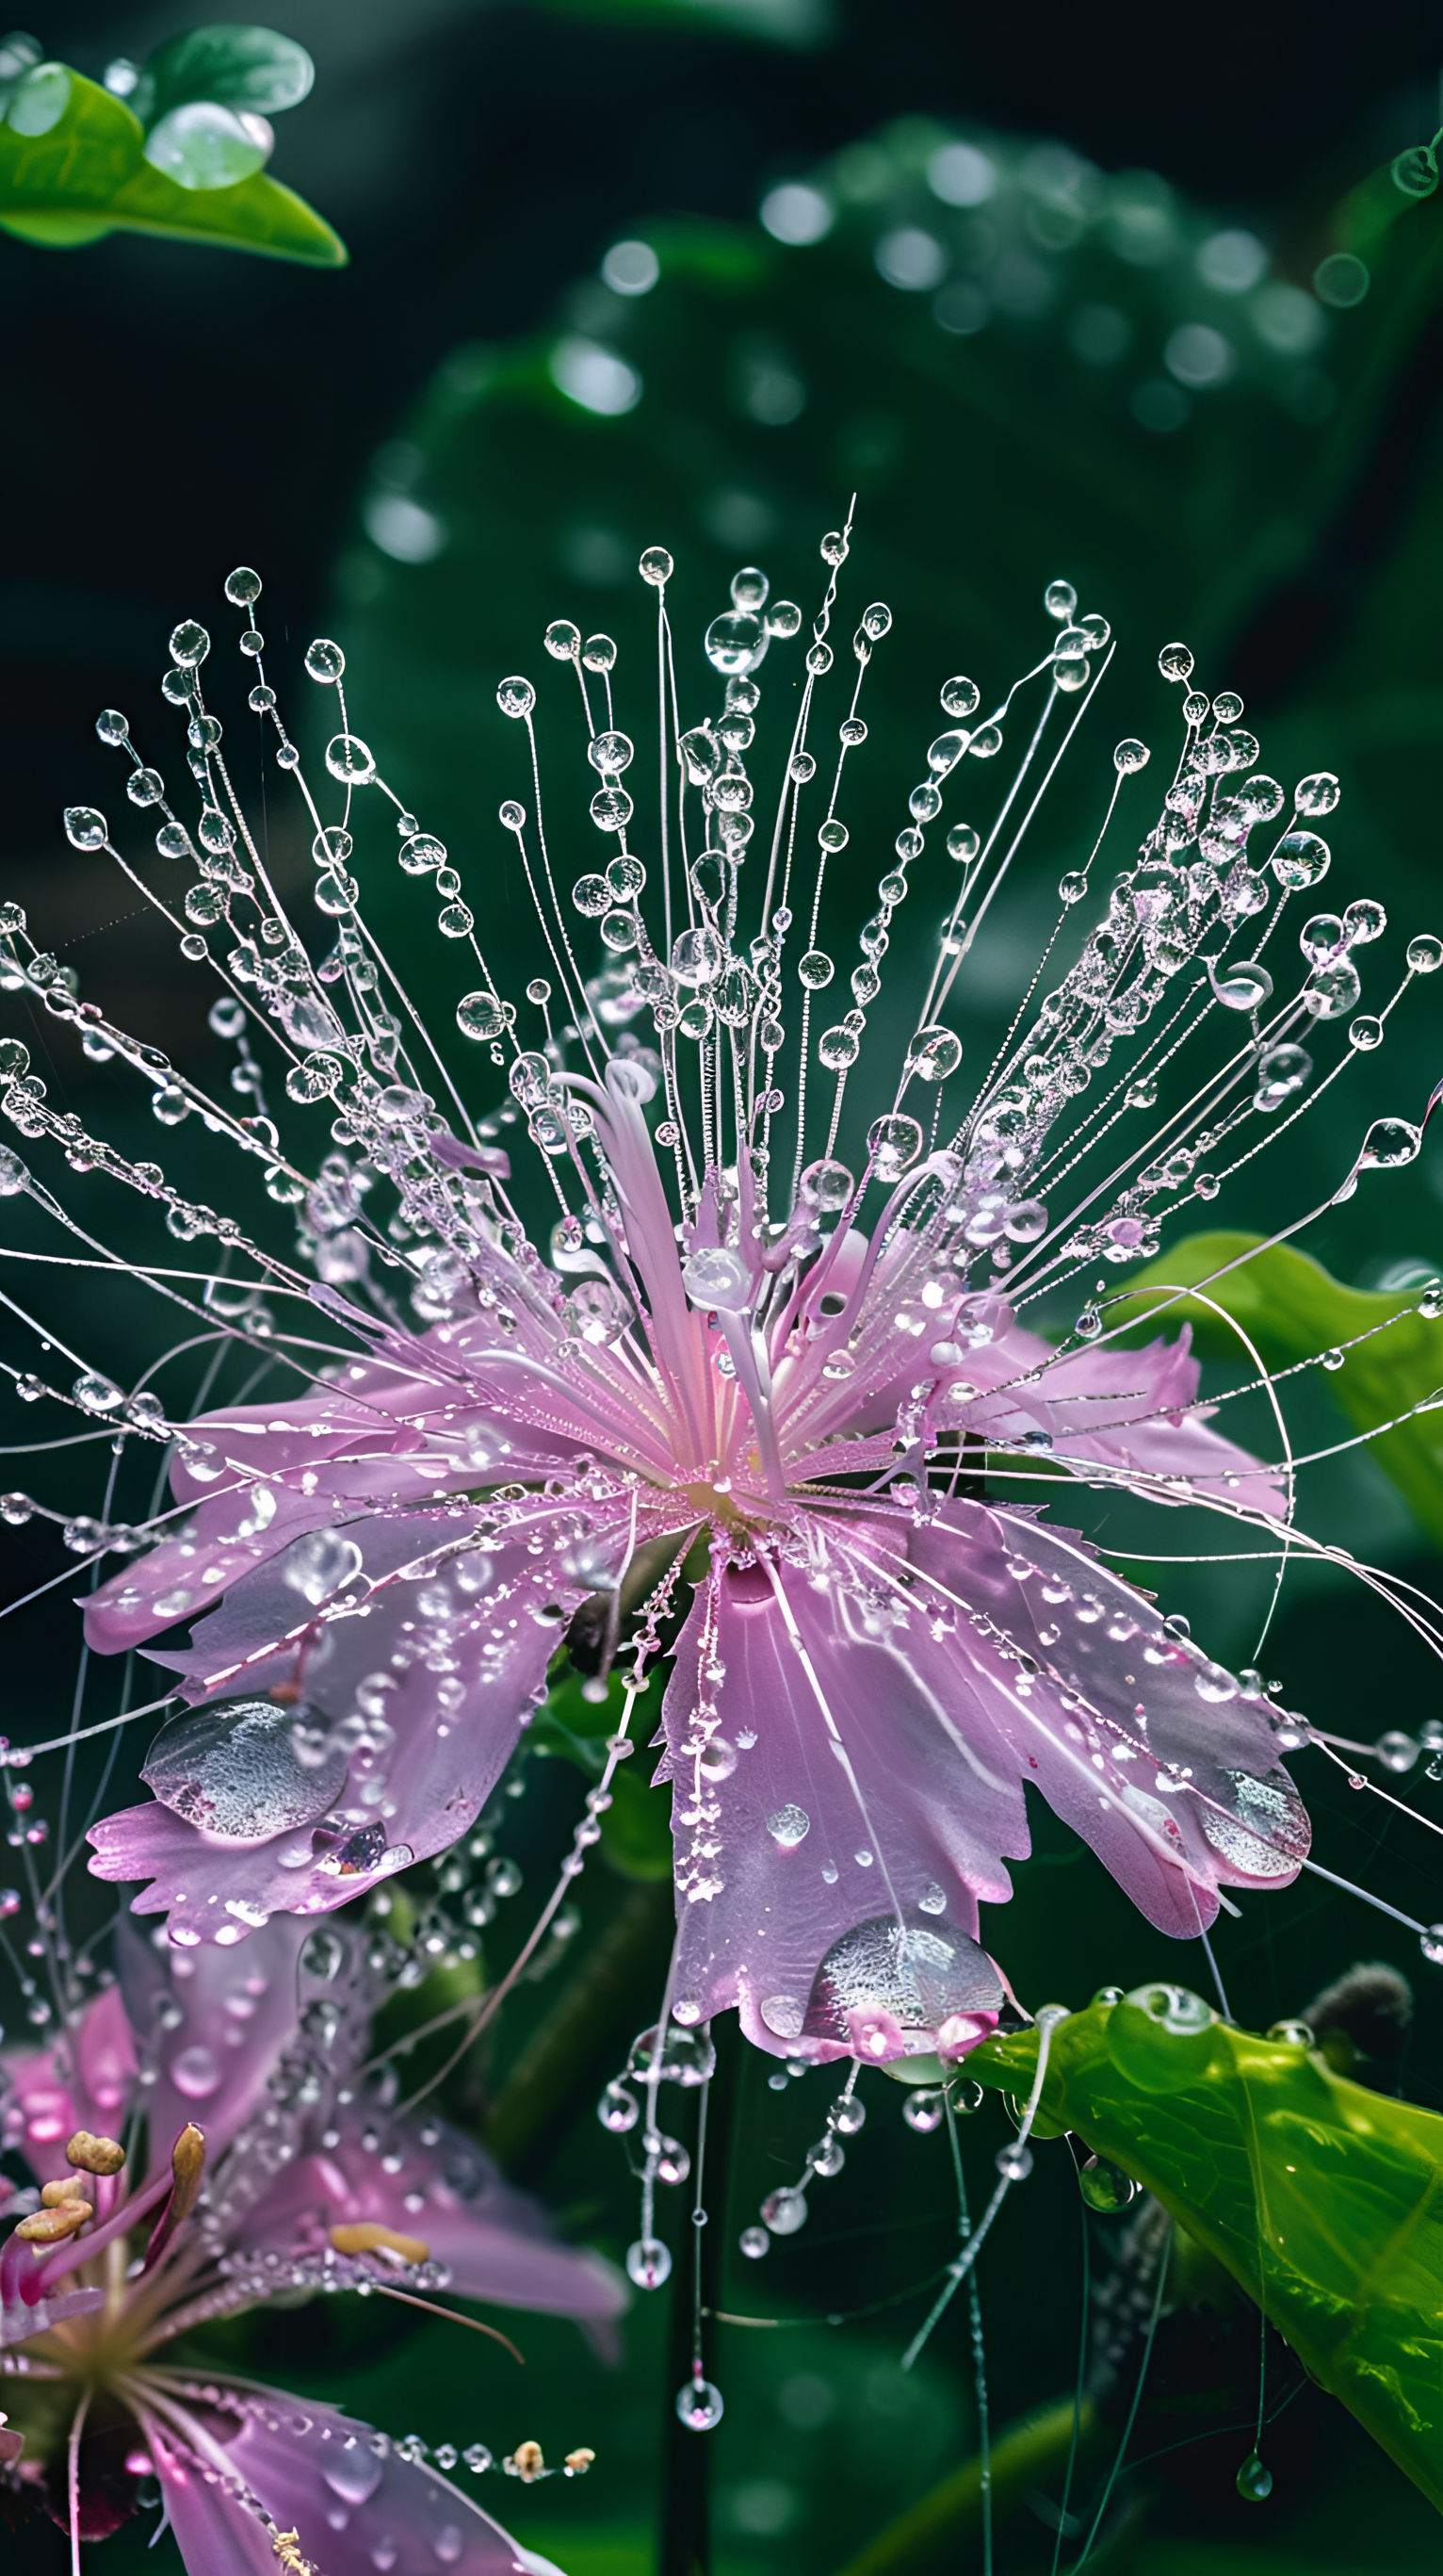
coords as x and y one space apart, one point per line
618 2110
1389 1142
934 1054
816 969
655 566
189 644
789 1826
515 696
1175 662
755 2241
96 1394
699 2405
648 2262
480 1015
697 957
736 641
1254 2483
838 1048
477 2458
1396 1751
1014 2161
894 1144
922 2111
1292 2034
785 2211
349 758
1244 987
1282 1070
1106 2187
85 827
351 2469
1088 1324
1431 1943
1365 1033
688 2057
1301 859
245 1770
195 2072
324 660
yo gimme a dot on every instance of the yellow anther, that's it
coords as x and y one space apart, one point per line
54 2195
366 2236
578 2462
287 2547
94 2155
52 2226
526 2462
187 2165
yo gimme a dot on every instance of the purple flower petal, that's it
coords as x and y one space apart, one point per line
455 1654
856 1758
356 2509
446 2193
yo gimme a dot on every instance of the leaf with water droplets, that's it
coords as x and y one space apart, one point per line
85 173
1324 2200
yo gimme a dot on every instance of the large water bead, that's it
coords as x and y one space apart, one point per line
245 1770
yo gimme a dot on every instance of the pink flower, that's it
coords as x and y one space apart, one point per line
869 1673
818 1368
273 2168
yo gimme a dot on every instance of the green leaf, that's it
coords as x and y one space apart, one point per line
1290 1310
636 1827
1323 2200
86 174
244 67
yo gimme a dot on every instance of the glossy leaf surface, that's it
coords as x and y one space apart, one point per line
86 174
1325 2201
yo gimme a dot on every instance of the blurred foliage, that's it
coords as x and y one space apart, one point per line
1024 368
1384 1355
1325 2201
802 23
176 145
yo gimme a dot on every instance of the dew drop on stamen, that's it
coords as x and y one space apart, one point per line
1389 1142
648 2263
325 661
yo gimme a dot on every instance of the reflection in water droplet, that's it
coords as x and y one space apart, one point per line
789 1826
649 2263
351 2471
1254 2482
1105 2187
916 1973
699 2405
195 2074
245 1769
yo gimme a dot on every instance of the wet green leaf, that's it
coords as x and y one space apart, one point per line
1290 1309
1323 2200
85 174
242 67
